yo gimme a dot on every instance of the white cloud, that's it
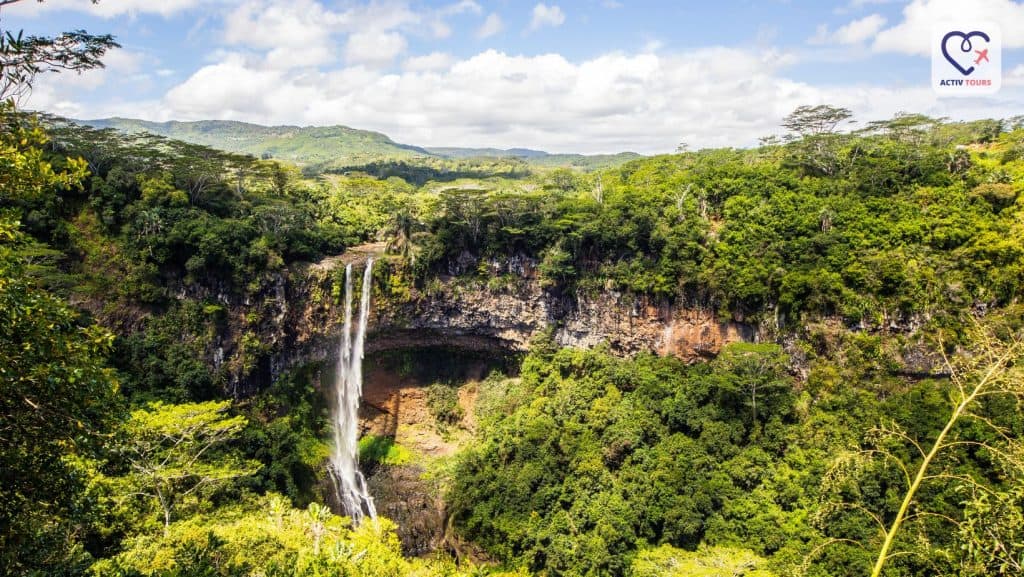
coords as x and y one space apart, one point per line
119 64
376 48
544 15
304 33
299 62
821 35
860 30
123 61
1014 77
428 62
462 7
913 35
106 8
233 90
296 33
862 3
645 102
436 20
855 32
263 24
653 45
491 26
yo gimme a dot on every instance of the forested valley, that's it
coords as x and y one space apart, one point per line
870 424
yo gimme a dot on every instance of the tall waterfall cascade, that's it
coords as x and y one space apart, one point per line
350 485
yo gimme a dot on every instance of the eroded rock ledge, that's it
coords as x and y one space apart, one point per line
295 319
474 316
300 320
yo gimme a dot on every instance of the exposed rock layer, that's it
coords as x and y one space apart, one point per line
474 316
294 319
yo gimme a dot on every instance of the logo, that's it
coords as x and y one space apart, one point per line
967 60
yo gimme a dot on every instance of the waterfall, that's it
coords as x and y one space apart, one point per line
349 482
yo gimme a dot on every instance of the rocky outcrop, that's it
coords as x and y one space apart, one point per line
295 318
471 314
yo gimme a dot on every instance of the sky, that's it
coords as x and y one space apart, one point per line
591 76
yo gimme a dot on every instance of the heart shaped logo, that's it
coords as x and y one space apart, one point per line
966 46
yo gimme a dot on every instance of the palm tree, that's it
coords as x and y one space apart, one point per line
401 228
318 516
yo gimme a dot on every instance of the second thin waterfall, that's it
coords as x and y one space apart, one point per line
349 482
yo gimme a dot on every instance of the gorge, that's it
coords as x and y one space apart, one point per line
683 362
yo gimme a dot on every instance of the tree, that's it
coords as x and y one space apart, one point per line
56 397
990 534
175 451
56 402
667 561
23 57
816 120
987 375
401 229
908 128
757 372
24 172
265 535
817 144
994 367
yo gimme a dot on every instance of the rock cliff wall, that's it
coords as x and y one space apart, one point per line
295 317
472 314
301 320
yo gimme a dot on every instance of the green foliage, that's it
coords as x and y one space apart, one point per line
947 443
25 173
340 149
303 146
871 227
362 206
57 397
375 450
164 358
211 217
265 536
176 451
443 402
666 561
586 469
991 533
586 464
286 433
23 57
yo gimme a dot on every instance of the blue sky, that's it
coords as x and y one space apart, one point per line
585 75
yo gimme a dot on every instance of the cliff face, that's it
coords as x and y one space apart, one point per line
473 315
294 318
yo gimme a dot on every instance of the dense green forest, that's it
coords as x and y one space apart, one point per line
812 452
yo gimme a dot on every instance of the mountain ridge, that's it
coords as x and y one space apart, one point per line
337 145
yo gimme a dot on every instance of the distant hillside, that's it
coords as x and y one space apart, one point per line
301 145
333 147
455 152
538 157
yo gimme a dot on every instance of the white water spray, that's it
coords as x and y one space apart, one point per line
349 482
